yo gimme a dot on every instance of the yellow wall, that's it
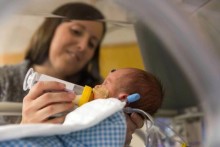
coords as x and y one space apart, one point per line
12 58
111 57
119 56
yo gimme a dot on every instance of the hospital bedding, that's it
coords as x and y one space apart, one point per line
98 127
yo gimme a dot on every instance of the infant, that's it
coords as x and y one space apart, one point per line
123 82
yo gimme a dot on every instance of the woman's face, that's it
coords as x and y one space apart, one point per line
73 45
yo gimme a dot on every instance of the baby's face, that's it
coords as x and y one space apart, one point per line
111 85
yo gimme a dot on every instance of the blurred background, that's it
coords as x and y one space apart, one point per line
166 37
17 30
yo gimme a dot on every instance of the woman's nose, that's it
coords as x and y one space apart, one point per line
83 43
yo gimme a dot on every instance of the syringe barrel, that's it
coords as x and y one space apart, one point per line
84 93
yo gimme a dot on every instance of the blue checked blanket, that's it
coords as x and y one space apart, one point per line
110 132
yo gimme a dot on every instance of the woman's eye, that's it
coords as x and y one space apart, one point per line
92 45
76 32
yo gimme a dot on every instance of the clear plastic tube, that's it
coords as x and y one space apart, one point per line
154 135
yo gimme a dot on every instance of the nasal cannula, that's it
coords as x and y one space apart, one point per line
83 94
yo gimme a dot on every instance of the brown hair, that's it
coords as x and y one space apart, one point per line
38 49
149 88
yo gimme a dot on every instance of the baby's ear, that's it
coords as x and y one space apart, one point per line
122 96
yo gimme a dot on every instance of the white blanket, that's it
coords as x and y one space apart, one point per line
81 118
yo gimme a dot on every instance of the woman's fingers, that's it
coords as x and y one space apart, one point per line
137 120
50 111
31 115
53 97
44 100
55 120
47 99
130 129
44 86
134 121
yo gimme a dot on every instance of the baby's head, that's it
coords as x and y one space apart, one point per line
123 82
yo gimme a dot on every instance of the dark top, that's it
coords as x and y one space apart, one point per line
11 87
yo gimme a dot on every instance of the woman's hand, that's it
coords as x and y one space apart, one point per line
134 121
44 100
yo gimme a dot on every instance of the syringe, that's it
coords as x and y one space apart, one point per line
83 94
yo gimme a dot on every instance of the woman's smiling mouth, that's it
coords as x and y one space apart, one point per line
73 55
